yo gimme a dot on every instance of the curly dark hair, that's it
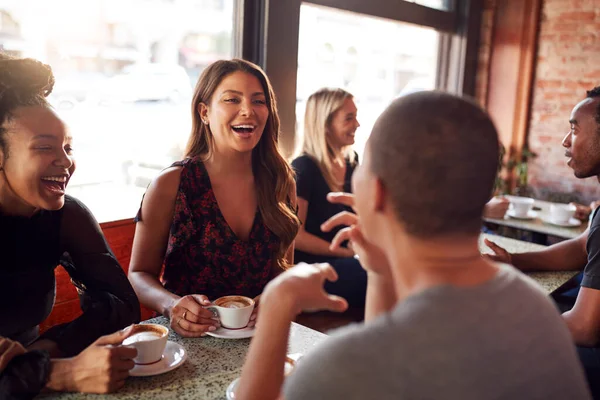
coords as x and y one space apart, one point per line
23 82
593 94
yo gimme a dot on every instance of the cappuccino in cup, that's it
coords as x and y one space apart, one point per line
233 311
149 340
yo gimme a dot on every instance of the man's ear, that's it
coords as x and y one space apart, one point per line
380 193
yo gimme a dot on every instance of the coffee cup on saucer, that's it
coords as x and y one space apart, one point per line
149 340
562 213
521 206
233 311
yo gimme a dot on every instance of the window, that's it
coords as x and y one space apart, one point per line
376 60
124 82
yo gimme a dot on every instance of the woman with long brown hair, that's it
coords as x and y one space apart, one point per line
326 165
222 221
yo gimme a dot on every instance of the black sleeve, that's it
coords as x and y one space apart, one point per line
25 376
106 297
591 273
305 169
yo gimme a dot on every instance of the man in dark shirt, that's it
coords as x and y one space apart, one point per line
582 144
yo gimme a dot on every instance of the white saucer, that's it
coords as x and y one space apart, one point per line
290 363
225 333
230 392
173 357
530 215
573 222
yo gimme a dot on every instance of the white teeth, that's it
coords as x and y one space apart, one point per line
244 126
55 178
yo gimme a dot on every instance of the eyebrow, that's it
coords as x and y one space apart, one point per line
241 94
46 136
573 121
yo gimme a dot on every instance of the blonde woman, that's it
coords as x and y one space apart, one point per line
326 165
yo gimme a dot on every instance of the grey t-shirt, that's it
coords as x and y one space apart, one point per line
503 339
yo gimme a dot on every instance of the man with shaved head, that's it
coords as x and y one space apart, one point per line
441 321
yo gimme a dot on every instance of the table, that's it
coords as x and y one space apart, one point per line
537 225
549 281
212 364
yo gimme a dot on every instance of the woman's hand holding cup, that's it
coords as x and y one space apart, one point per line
189 317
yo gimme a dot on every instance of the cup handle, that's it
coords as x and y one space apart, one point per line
212 309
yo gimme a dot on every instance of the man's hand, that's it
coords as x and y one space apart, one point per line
371 257
301 288
500 255
496 208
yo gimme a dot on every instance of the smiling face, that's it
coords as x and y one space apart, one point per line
343 125
237 113
582 143
37 163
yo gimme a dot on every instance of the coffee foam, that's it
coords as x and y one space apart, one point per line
233 302
142 337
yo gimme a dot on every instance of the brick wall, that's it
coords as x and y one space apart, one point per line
568 63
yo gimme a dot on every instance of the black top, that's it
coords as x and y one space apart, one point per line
591 273
312 187
31 248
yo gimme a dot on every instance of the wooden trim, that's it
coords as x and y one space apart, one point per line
511 71
253 30
445 21
281 64
116 224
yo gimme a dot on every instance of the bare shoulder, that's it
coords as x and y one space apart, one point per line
165 185
161 193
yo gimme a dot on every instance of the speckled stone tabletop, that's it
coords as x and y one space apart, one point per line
212 364
550 281
538 225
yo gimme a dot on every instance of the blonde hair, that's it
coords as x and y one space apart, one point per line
320 109
273 175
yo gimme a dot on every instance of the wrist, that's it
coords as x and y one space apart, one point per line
61 377
168 308
278 304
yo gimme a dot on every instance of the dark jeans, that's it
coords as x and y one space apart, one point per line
590 359
351 283
589 356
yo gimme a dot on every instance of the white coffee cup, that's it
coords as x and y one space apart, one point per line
520 206
562 213
149 340
233 311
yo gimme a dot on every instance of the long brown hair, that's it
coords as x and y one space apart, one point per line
320 109
273 176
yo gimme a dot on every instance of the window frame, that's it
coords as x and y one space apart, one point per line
457 62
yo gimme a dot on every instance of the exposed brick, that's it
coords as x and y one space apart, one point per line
577 16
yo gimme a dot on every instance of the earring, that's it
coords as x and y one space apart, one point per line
205 121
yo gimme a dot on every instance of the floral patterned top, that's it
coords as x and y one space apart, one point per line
204 255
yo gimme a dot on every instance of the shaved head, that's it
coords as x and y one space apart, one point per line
437 157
